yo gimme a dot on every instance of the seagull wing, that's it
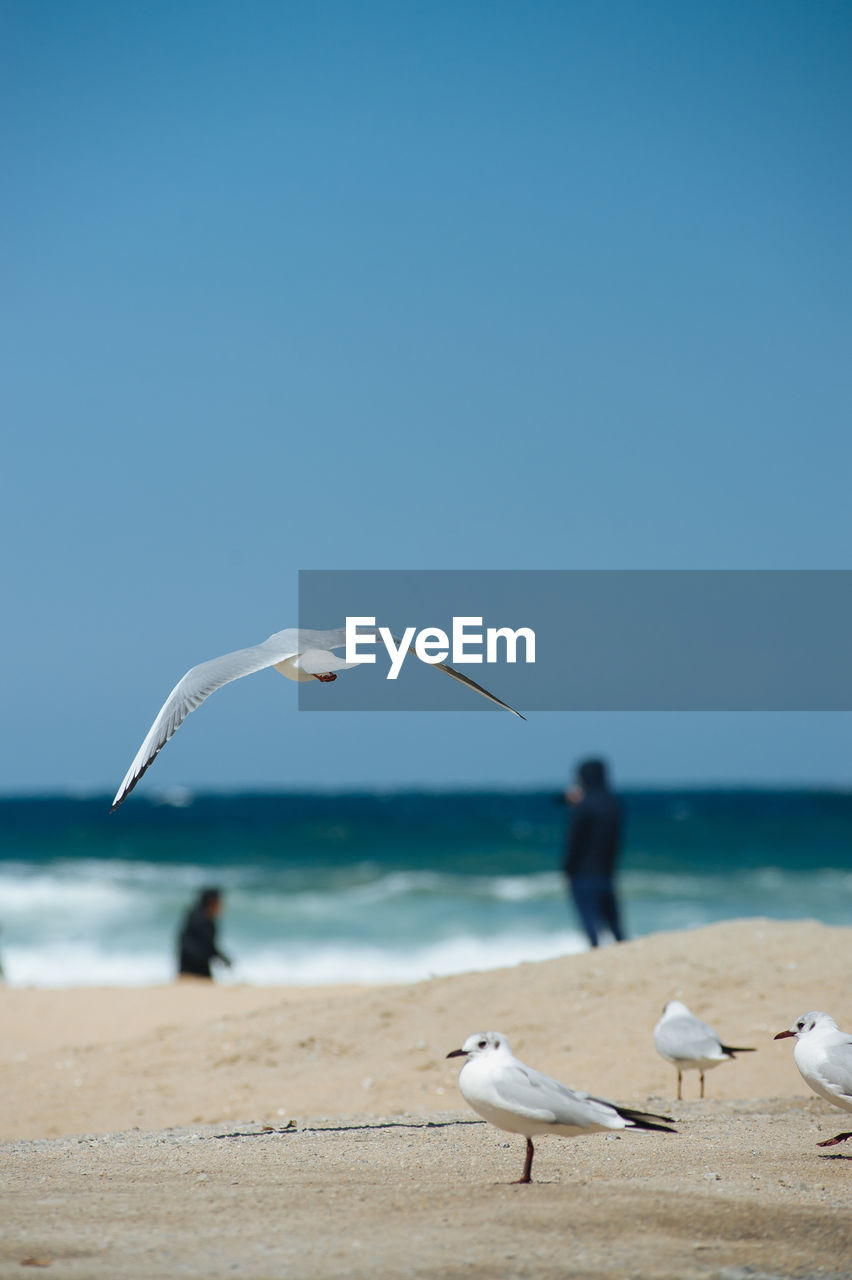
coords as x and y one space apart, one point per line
686 1039
540 1097
835 1070
199 682
471 684
463 679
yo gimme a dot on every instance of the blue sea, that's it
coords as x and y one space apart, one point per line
324 888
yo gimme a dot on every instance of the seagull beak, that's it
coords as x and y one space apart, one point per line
457 1053
782 1035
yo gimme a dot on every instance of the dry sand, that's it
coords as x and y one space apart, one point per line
171 1173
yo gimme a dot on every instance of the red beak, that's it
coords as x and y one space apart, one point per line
782 1035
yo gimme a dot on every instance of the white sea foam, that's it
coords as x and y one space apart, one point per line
402 884
361 963
90 921
40 895
81 963
540 884
175 797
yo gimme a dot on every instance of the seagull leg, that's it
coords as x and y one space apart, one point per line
328 675
525 1176
832 1142
701 1073
680 1086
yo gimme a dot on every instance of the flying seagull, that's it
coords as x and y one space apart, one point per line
823 1055
689 1043
298 654
516 1098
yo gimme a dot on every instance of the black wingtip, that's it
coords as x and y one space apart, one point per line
652 1125
648 1120
732 1049
120 799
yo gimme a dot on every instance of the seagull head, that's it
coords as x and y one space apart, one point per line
481 1043
675 1008
809 1022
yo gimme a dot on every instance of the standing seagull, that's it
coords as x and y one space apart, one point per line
518 1099
298 654
823 1055
689 1043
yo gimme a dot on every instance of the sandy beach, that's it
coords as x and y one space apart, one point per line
195 1130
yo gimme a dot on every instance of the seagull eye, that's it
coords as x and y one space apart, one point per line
483 1044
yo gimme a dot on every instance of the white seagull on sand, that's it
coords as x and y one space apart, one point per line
516 1098
823 1055
298 654
689 1043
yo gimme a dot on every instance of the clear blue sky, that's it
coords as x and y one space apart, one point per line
377 285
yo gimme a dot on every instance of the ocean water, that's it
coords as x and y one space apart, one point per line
387 887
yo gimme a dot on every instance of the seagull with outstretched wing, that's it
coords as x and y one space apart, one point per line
297 653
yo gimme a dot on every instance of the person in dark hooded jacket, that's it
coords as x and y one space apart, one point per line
592 847
197 942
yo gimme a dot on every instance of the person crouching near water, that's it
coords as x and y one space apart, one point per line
197 942
592 846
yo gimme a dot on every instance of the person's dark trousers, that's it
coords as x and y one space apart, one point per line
594 898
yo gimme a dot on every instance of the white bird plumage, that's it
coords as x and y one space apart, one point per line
690 1044
519 1099
299 654
823 1054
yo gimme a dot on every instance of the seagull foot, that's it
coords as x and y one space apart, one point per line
326 677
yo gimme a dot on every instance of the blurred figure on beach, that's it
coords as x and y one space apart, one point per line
197 942
592 846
